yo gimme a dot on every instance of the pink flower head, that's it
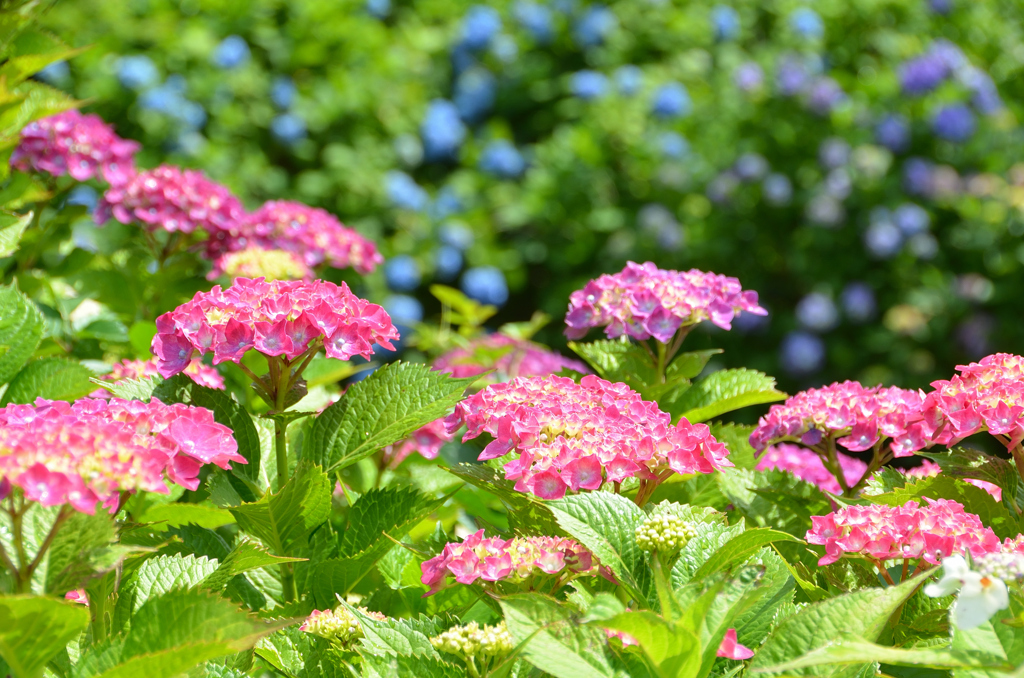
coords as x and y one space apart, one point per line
858 417
174 200
986 396
80 145
274 318
569 437
204 375
497 560
427 441
508 356
731 649
645 301
932 532
312 234
77 596
929 468
89 451
807 466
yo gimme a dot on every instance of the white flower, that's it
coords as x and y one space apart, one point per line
980 596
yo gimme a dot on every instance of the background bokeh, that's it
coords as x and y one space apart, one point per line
854 161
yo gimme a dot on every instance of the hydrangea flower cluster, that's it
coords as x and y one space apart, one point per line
1004 565
339 625
664 533
279 318
807 466
930 532
172 199
516 358
570 436
857 417
204 375
80 145
90 451
255 262
427 441
474 641
494 559
986 395
929 468
644 301
312 234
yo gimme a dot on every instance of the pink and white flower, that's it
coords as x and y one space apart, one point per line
80 145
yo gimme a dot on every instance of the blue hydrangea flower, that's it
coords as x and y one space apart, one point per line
725 22
588 85
834 152
447 262
282 91
442 131
404 192
825 95
83 195
456 235
858 300
917 176
536 19
671 100
791 76
403 309
486 284
893 132
480 24
445 204
674 145
402 273
502 159
911 219
288 128
807 23
817 312
751 167
748 76
923 74
777 189
629 79
593 26
883 240
954 123
232 52
505 49
137 72
802 353
475 91
55 73
378 9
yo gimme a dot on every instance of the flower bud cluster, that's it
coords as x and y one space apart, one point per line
80 145
807 466
255 262
89 451
859 417
1004 565
510 358
338 625
664 533
495 559
274 318
644 301
930 532
569 436
202 374
472 640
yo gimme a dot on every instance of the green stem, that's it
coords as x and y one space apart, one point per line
98 608
281 450
65 513
660 367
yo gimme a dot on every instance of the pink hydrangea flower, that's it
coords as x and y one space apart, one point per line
858 418
427 441
77 596
313 234
807 466
929 469
172 199
570 437
204 375
279 318
731 649
509 356
80 145
89 451
930 532
644 301
513 560
985 396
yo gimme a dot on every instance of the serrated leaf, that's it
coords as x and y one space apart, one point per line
395 636
864 613
21 329
554 643
673 650
397 666
132 389
34 51
619 360
163 574
964 462
384 510
245 556
774 498
284 520
228 412
725 391
606 524
387 406
73 554
12 226
741 547
168 663
34 629
523 508
689 365
736 438
176 514
50 378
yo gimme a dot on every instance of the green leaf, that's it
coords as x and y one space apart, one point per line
50 378
163 574
397 666
964 462
231 414
552 641
532 514
77 550
774 498
606 524
132 389
35 51
283 521
725 391
736 438
403 637
34 629
995 640
619 360
674 650
848 649
11 227
390 510
741 547
176 514
387 406
21 328
245 556
864 613
175 661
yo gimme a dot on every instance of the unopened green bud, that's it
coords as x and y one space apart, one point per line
664 533
473 640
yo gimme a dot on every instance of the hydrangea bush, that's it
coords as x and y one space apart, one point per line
213 474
